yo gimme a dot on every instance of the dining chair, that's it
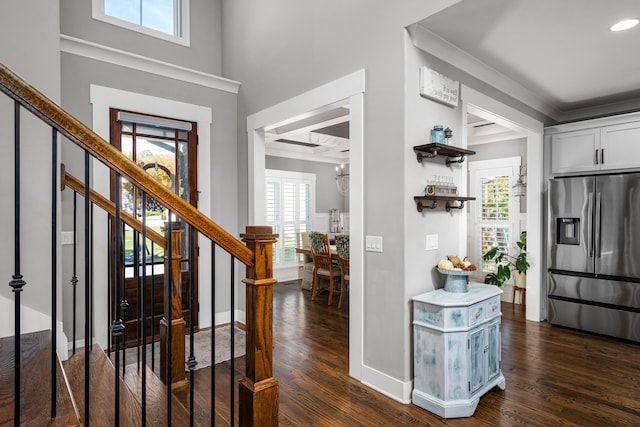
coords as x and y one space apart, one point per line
307 262
323 267
342 248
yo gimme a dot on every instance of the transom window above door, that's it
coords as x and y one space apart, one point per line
164 19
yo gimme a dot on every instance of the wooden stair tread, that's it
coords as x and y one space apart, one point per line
35 372
156 398
102 390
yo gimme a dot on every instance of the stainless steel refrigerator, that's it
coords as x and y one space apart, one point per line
594 254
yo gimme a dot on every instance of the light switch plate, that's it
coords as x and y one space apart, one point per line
373 243
66 238
432 242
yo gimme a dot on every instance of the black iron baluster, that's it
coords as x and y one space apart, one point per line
192 362
136 277
232 338
124 303
117 326
110 281
92 305
87 325
143 309
213 332
54 267
17 282
74 279
168 295
153 307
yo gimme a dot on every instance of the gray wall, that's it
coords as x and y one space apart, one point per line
204 54
78 73
283 48
327 195
30 46
500 149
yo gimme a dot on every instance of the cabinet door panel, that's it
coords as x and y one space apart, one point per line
493 350
575 151
476 353
621 145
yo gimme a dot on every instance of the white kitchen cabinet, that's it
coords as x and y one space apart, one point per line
620 146
605 144
575 151
456 349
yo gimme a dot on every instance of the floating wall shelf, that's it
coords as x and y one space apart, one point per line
452 153
431 202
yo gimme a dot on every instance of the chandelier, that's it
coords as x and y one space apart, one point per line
342 179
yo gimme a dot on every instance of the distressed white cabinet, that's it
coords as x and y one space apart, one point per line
456 339
610 143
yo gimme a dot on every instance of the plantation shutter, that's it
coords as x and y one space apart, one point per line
289 208
494 215
273 214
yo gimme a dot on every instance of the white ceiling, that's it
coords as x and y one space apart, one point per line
557 56
560 52
321 136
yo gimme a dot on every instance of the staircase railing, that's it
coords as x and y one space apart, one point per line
258 390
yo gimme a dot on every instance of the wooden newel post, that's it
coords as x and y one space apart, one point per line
258 389
178 325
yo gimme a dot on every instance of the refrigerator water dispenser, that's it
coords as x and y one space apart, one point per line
568 232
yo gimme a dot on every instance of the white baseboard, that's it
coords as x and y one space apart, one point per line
284 274
387 385
224 317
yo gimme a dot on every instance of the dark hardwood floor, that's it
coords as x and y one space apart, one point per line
554 376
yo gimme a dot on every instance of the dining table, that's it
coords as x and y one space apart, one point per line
307 251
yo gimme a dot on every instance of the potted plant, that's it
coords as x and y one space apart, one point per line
506 263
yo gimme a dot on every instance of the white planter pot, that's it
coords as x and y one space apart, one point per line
519 279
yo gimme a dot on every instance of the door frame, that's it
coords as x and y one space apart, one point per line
351 88
486 107
102 99
192 176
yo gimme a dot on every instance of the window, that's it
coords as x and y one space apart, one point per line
165 19
494 215
290 205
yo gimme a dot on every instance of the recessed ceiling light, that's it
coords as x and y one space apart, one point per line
624 25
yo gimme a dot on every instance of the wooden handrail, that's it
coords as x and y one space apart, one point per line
76 131
68 180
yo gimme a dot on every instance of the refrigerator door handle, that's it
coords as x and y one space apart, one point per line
590 225
598 225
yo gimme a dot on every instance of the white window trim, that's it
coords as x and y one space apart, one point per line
475 167
290 175
184 39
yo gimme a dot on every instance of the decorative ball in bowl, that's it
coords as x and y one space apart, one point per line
455 280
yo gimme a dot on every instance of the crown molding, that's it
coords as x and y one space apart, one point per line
435 45
98 52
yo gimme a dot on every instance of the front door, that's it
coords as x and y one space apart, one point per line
166 148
